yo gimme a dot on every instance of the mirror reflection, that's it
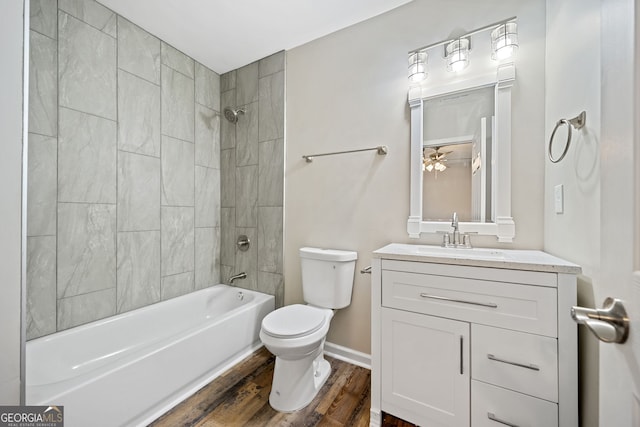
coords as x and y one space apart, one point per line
457 156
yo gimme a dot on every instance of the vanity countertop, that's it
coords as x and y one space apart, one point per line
479 257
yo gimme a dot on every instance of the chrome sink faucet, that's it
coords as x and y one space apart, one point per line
456 230
453 240
242 275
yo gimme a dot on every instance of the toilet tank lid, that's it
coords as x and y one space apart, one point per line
328 254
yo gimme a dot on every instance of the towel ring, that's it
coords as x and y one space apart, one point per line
577 122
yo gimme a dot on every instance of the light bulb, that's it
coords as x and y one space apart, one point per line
504 41
504 52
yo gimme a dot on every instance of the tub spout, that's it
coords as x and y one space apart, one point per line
242 275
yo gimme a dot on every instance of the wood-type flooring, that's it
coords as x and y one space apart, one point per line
240 397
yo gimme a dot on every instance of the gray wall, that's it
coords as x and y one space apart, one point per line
252 165
124 168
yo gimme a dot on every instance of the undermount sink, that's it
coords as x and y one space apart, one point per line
469 253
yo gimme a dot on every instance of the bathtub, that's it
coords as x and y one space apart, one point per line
131 368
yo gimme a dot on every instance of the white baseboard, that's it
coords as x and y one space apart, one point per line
348 355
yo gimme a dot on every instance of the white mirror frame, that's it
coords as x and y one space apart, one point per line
503 226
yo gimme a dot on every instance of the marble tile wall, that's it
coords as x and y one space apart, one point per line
252 175
124 179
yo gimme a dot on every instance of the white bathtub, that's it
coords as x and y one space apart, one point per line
131 368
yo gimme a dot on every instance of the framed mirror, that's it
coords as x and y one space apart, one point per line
457 156
461 156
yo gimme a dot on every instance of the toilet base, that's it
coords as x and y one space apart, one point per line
297 382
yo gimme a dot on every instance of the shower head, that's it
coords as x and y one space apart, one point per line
232 114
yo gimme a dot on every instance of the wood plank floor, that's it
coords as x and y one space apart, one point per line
240 397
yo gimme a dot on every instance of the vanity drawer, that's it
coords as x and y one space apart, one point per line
493 406
515 360
509 305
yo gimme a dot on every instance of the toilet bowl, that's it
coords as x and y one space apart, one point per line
296 333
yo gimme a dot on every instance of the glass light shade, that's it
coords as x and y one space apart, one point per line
429 167
504 41
417 66
457 55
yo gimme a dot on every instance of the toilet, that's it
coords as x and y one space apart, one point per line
295 334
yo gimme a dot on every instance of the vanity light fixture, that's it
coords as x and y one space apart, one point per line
457 54
504 44
417 66
504 40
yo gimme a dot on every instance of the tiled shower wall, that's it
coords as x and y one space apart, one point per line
124 168
252 175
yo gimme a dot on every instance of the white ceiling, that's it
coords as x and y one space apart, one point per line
228 34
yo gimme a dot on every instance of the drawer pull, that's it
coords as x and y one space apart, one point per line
498 420
484 304
508 362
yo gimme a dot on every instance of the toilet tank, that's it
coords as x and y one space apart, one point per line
327 276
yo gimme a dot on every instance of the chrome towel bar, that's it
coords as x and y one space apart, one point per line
380 149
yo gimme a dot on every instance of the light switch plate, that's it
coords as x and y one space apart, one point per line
558 198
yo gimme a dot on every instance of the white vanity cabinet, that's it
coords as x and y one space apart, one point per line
459 339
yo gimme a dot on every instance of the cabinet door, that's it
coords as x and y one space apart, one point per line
425 368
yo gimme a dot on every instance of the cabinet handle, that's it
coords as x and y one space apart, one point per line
461 355
508 362
484 304
492 417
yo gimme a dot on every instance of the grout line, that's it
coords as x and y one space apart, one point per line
173 137
44 35
57 13
87 293
179 274
178 71
90 25
195 178
41 235
116 305
85 203
161 180
131 73
207 107
138 231
139 154
89 114
43 135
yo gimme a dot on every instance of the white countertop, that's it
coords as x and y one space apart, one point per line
480 257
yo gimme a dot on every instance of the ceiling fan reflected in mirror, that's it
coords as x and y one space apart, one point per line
434 161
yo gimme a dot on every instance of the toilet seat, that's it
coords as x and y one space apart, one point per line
293 321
